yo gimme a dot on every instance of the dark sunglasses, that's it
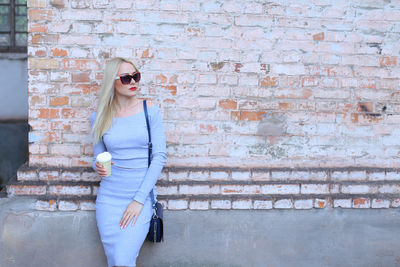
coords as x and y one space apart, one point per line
126 79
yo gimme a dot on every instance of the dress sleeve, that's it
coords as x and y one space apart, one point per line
158 156
99 146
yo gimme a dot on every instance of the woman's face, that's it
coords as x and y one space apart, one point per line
126 89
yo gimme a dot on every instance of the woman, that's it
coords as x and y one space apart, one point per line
123 204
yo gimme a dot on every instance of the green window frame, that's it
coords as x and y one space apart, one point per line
13 26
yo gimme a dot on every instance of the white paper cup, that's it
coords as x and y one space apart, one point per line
105 160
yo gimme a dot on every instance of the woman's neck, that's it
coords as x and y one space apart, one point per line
126 103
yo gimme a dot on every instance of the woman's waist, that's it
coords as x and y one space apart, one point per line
133 163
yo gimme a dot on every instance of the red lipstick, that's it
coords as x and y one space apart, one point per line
132 88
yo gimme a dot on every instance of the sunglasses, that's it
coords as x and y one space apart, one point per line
126 79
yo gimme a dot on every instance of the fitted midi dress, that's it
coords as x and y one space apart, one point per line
131 179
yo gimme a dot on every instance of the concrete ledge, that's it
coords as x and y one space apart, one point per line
326 237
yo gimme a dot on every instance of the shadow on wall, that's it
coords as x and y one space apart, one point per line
13 148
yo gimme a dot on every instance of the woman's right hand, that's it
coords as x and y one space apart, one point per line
101 171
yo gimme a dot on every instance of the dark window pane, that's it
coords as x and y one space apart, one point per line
4 10
20 2
21 39
4 18
4 39
4 1
21 24
20 11
21 19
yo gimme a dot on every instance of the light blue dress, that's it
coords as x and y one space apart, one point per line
131 179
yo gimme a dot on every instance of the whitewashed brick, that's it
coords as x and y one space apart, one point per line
280 189
178 176
46 205
392 176
262 204
222 175
87 205
380 203
167 190
177 204
261 176
314 189
391 189
198 205
334 188
376 176
64 205
242 204
283 204
303 204
70 176
221 204
358 189
342 203
27 175
395 203
236 175
194 189
277 175
198 175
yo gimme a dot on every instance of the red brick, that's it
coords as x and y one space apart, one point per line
57 52
81 77
46 113
388 61
287 106
361 203
227 104
36 100
269 82
247 115
161 79
319 36
42 38
59 101
37 27
40 14
208 128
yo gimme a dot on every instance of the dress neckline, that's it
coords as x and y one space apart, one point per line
133 115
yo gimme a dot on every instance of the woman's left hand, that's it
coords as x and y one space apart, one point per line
132 211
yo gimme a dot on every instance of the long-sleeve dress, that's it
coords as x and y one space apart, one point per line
131 179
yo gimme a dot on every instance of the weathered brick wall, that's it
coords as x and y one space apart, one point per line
304 95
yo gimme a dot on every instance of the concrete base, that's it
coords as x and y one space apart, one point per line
326 237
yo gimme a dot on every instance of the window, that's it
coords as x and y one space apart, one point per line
13 26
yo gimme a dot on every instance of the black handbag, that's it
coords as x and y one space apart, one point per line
156 229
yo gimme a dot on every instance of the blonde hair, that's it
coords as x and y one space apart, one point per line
107 103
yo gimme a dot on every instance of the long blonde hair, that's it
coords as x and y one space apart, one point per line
107 102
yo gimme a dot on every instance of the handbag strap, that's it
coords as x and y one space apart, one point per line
150 145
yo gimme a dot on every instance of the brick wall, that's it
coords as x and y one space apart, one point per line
266 105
